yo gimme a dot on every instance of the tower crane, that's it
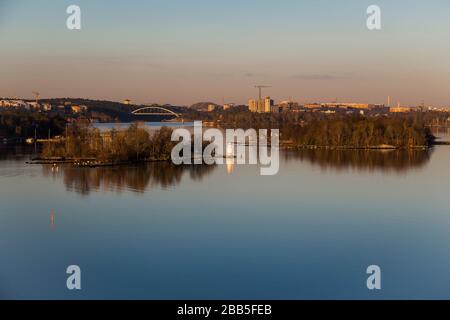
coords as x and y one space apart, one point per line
259 87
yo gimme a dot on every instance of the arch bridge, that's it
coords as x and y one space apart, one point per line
154 111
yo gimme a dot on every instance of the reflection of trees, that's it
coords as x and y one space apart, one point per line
135 178
363 160
18 152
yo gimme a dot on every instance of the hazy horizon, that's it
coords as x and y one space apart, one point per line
182 53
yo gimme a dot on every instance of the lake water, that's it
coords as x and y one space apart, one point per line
225 232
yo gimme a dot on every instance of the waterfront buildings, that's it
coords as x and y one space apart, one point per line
350 105
400 109
348 108
340 105
312 105
228 106
441 109
78 109
288 105
7 103
46 107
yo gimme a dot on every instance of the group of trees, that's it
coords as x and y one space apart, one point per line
360 132
21 124
341 130
133 144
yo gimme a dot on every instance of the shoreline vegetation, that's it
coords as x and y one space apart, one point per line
84 145
18 126
88 146
300 131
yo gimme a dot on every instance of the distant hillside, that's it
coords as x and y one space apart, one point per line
115 110
202 105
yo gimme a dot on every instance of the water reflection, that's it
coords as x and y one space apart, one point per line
137 178
441 132
165 175
363 160
16 152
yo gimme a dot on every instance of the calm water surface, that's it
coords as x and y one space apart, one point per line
224 232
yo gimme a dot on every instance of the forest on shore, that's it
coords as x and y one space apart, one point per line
337 131
24 124
361 133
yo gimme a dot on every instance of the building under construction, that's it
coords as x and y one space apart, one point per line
261 105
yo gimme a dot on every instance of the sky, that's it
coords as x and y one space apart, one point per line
182 52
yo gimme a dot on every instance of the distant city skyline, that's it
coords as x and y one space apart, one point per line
182 52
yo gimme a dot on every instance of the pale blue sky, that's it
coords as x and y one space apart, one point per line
181 52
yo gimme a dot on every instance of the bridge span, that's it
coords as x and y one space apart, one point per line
154 111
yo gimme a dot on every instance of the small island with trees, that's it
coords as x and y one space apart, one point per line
88 146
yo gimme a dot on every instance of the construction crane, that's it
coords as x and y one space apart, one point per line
37 95
260 90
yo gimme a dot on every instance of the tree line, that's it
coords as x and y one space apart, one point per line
22 124
307 129
360 132
133 144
